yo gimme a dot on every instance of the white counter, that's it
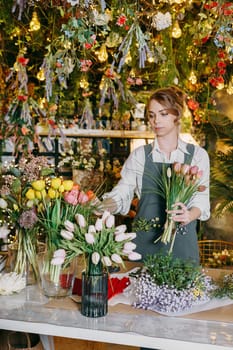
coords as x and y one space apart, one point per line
122 325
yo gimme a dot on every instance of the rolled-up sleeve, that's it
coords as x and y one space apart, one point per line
130 182
201 199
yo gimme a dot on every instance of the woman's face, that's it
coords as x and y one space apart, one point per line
161 119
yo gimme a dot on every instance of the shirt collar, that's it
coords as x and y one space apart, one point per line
182 145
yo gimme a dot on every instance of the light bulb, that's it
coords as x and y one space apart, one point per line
84 83
128 58
40 75
102 54
34 24
176 31
193 78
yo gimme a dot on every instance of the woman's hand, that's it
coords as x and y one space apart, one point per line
182 214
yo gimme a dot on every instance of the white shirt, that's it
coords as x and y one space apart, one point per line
133 168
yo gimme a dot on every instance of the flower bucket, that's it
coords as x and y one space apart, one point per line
94 291
56 280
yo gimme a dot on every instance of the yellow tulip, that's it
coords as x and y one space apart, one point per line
56 183
30 194
61 188
52 193
40 194
68 185
38 185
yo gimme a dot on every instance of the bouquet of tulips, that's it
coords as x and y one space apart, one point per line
100 240
179 183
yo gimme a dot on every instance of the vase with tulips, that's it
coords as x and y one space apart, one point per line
103 245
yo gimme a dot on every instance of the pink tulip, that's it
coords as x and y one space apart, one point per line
193 170
177 167
95 258
67 234
116 258
185 168
69 225
99 224
201 188
80 220
120 229
89 237
134 256
199 174
110 221
83 197
71 197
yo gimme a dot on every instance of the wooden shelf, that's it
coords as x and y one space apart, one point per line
129 134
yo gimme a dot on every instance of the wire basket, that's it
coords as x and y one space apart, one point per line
216 253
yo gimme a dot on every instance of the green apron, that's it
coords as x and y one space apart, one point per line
152 208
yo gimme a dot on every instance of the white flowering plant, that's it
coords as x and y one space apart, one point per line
100 240
169 285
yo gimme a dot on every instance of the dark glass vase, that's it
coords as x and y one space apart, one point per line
94 291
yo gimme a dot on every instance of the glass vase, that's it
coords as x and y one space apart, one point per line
56 280
94 291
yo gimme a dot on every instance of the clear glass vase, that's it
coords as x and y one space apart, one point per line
94 291
56 280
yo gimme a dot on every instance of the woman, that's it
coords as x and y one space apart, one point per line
142 168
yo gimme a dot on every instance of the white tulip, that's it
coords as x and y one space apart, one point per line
120 229
89 237
80 220
129 246
110 221
67 234
116 258
134 256
69 225
106 261
91 229
95 258
99 224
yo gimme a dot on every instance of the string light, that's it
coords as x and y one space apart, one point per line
34 24
176 31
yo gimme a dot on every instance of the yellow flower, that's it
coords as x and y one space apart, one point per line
68 185
56 183
40 194
30 194
15 207
52 193
61 189
38 185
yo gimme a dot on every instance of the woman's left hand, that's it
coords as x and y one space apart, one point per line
180 213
